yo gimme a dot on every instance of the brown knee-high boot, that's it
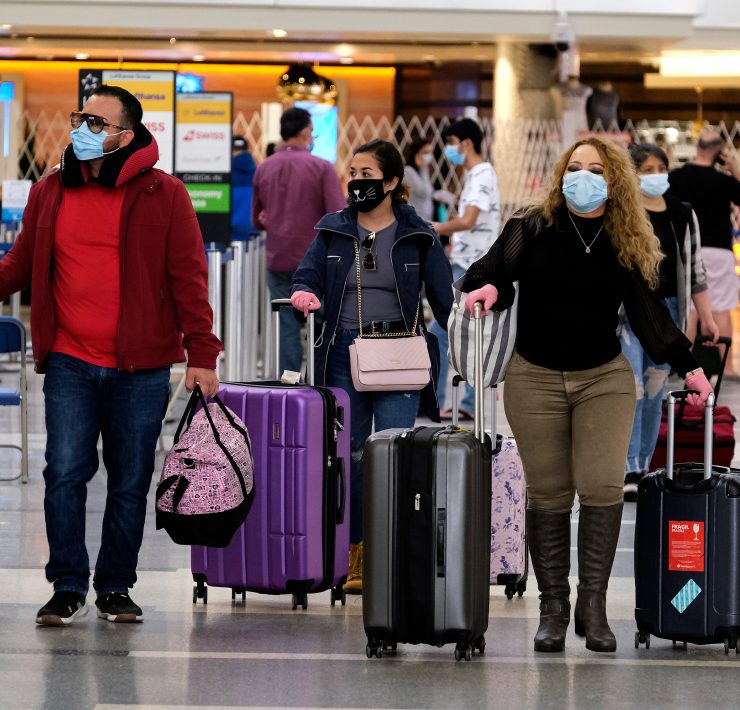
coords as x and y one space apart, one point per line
598 533
548 535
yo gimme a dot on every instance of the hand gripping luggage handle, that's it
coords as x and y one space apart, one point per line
726 344
671 433
277 304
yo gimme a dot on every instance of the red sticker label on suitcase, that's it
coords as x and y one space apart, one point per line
685 546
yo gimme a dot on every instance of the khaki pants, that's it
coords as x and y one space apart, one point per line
572 430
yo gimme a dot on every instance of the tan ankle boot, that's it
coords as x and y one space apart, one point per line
353 585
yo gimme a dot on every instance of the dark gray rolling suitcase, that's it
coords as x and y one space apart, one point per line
687 549
426 536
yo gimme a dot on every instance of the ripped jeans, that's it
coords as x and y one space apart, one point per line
650 380
390 410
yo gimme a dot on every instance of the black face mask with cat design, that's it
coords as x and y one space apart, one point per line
366 194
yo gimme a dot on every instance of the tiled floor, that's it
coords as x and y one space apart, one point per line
261 654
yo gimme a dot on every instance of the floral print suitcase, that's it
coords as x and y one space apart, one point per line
508 537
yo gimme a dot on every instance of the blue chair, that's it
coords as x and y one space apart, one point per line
13 340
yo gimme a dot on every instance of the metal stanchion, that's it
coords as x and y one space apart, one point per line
213 256
234 298
266 336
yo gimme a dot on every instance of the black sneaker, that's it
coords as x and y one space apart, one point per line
62 609
631 481
118 607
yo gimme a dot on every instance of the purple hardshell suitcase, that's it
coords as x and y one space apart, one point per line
295 539
509 558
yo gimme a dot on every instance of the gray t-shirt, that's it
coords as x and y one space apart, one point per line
379 294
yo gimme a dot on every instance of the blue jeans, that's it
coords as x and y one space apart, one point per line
650 380
291 349
468 401
84 401
391 410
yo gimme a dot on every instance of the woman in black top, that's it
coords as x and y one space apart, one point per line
682 280
570 393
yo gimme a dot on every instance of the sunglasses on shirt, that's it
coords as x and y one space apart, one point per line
368 261
94 123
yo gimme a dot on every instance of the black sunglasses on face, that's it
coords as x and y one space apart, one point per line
94 123
368 261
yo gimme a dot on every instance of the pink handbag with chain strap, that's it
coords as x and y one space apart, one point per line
388 362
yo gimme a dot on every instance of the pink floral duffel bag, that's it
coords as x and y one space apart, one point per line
207 483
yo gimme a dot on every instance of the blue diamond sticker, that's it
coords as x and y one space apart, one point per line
685 596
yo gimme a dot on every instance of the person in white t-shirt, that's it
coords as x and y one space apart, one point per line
473 231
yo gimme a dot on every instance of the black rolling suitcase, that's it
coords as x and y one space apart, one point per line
687 549
426 536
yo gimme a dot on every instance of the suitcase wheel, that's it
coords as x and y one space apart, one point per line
338 595
374 649
479 645
463 650
729 643
510 590
521 587
300 598
389 646
235 591
200 591
684 644
640 638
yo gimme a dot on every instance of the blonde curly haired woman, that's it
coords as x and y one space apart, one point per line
570 392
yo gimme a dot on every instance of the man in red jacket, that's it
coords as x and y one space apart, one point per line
113 252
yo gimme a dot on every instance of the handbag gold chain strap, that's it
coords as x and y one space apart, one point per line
359 306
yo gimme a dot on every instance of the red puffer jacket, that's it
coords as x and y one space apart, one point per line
164 275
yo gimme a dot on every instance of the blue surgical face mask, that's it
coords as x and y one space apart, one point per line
584 191
88 145
452 153
427 158
654 184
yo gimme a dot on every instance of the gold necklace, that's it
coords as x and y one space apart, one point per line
583 241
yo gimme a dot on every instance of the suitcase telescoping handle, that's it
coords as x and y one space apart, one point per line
479 417
277 304
457 380
673 397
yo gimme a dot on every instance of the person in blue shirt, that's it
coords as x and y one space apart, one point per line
242 173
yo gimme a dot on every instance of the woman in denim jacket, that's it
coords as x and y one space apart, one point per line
400 255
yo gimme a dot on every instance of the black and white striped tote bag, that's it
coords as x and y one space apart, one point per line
499 338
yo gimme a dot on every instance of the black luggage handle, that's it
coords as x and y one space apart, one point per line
727 344
673 397
342 489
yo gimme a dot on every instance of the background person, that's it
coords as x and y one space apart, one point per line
681 280
419 157
473 231
242 175
292 191
399 255
712 193
106 336
569 393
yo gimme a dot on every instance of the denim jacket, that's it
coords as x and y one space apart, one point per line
418 261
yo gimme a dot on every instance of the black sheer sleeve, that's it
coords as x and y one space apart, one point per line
500 266
654 326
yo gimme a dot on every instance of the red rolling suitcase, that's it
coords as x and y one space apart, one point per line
689 442
687 550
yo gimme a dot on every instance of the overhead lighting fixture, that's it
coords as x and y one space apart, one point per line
173 40
199 58
685 64
82 56
346 60
279 34
6 27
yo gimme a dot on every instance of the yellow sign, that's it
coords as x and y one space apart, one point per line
198 111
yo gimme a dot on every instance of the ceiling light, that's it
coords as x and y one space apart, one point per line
6 27
344 50
700 64
199 58
279 33
346 60
82 56
173 40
